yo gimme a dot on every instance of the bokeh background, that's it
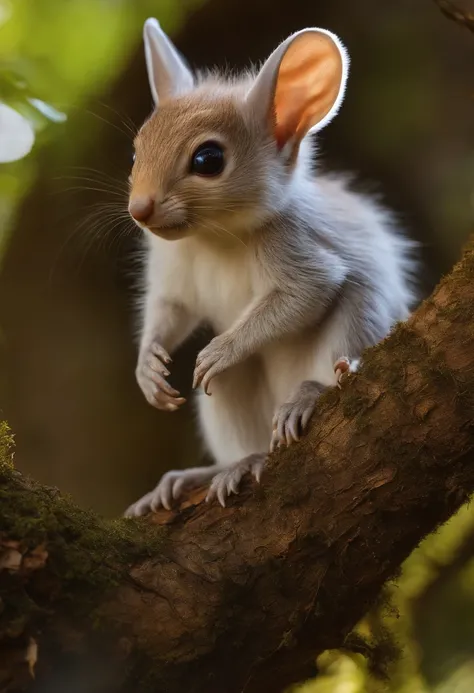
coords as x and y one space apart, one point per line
69 257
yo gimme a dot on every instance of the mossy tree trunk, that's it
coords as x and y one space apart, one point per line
206 599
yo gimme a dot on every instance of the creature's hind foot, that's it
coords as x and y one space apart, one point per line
170 488
292 417
227 482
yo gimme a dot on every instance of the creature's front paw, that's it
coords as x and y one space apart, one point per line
169 489
151 374
227 482
215 358
292 418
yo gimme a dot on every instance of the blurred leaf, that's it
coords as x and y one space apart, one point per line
16 135
53 56
48 111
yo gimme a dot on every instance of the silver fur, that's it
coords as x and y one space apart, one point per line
307 274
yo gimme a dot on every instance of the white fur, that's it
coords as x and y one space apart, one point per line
217 286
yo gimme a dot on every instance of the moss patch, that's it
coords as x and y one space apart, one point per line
6 444
87 555
82 545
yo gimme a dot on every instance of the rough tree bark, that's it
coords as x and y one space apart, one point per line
207 599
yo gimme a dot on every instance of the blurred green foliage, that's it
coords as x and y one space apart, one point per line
53 57
428 613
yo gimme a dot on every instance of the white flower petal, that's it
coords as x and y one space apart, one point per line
16 135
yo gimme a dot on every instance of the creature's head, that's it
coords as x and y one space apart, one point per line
222 153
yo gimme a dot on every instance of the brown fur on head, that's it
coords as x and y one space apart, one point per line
255 127
164 148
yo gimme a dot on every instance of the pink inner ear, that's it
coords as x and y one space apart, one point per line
308 83
287 116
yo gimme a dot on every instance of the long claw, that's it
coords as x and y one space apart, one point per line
257 470
221 495
158 350
341 367
227 482
292 434
151 374
294 428
205 383
160 382
306 417
164 499
281 429
292 418
273 442
233 487
157 366
178 487
210 495
166 401
199 376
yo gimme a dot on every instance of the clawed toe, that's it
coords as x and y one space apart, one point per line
227 482
343 366
174 483
140 507
291 420
170 488
289 424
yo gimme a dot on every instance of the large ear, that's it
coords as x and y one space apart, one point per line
168 72
301 86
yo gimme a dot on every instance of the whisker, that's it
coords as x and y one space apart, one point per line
96 225
76 188
104 120
124 119
234 236
112 185
227 231
100 174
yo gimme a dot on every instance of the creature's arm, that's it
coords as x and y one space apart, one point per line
303 291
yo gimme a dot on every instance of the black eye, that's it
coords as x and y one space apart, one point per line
133 157
208 159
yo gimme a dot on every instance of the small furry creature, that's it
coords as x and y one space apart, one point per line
290 268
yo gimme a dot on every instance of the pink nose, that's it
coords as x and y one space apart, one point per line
141 208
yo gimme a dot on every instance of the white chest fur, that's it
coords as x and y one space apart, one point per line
215 282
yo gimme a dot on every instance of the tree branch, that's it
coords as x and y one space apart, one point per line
207 599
